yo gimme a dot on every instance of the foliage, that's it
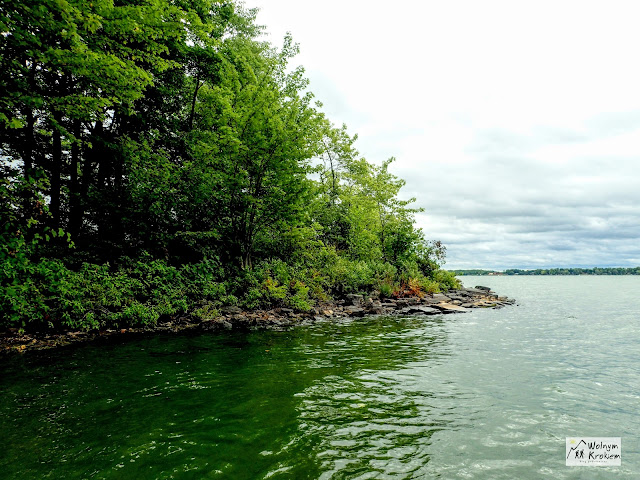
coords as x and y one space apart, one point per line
447 280
186 163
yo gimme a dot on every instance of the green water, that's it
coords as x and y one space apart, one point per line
487 394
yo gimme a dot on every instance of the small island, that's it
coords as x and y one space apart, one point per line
180 171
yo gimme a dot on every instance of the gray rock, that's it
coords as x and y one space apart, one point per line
354 311
450 308
474 291
439 297
355 300
424 310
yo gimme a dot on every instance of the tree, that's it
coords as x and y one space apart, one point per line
250 146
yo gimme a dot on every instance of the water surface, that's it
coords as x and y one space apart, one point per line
489 394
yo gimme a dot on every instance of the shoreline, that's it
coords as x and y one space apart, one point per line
235 318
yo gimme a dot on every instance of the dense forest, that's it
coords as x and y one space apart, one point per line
159 158
556 271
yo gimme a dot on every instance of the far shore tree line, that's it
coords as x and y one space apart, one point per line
555 271
157 158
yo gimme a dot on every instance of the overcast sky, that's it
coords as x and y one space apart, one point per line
516 124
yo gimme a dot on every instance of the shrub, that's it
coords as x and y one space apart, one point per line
447 280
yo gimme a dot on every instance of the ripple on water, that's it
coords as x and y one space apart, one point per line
485 395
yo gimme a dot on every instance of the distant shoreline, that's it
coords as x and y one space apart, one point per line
553 271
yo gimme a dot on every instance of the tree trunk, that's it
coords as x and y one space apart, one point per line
75 201
193 103
56 171
29 140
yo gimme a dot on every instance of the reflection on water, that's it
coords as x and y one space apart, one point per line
488 394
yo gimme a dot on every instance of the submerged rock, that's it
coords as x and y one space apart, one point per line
420 310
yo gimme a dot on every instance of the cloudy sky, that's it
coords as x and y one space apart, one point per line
516 124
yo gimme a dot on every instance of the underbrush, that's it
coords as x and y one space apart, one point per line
47 295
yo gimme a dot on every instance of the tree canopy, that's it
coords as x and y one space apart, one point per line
163 138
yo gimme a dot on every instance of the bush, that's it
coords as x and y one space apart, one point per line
37 293
447 280
277 284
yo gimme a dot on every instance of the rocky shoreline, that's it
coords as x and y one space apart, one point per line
234 318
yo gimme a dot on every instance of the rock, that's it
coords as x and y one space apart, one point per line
460 298
353 311
355 300
485 304
484 289
214 325
286 310
473 291
441 297
405 302
423 310
450 308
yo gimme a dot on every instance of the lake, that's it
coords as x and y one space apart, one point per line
489 394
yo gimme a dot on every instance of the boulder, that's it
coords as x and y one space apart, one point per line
355 300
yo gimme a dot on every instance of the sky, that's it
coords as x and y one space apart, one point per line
516 124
